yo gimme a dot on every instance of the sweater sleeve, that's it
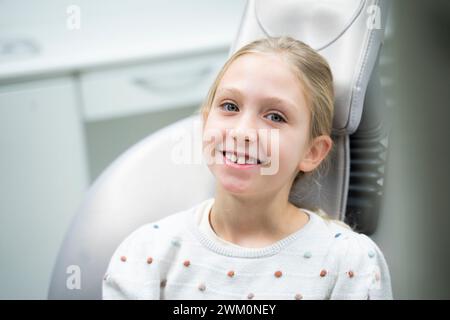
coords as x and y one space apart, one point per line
363 273
131 273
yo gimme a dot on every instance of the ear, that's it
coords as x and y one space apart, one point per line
316 152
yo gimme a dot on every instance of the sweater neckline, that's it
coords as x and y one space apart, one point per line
244 252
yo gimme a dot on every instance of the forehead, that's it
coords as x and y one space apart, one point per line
262 74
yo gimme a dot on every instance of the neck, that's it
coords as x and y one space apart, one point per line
256 220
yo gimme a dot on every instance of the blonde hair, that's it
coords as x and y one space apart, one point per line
314 74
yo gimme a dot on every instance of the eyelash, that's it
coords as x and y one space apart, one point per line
222 106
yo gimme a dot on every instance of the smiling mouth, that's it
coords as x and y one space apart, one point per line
242 160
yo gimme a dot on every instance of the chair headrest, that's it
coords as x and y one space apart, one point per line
347 33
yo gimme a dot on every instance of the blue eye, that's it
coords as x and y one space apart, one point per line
278 117
229 104
231 107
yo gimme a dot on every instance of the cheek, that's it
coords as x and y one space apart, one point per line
290 153
212 139
213 125
288 159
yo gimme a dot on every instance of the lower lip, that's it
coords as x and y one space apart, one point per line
238 166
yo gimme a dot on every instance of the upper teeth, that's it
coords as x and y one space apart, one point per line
240 160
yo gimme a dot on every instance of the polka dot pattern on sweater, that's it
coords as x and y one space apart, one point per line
278 274
298 296
288 274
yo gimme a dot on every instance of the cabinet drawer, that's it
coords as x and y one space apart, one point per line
155 86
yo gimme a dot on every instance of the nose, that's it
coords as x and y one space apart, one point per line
242 137
243 140
247 135
244 128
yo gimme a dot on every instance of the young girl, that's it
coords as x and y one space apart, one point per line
249 241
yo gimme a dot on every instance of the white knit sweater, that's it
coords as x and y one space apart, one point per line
178 257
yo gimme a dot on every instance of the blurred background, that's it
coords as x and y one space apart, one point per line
82 81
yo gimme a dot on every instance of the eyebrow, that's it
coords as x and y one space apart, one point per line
278 100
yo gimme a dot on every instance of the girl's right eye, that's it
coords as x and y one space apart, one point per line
232 106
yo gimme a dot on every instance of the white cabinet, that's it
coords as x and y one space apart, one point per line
43 179
153 86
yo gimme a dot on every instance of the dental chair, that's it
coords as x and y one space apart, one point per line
145 183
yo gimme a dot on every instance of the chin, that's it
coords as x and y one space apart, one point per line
237 187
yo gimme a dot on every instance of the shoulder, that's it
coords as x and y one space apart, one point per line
361 248
134 269
329 233
360 267
353 249
344 241
170 226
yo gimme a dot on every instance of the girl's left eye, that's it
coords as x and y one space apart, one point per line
277 117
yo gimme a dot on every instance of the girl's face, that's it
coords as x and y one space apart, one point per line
258 94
